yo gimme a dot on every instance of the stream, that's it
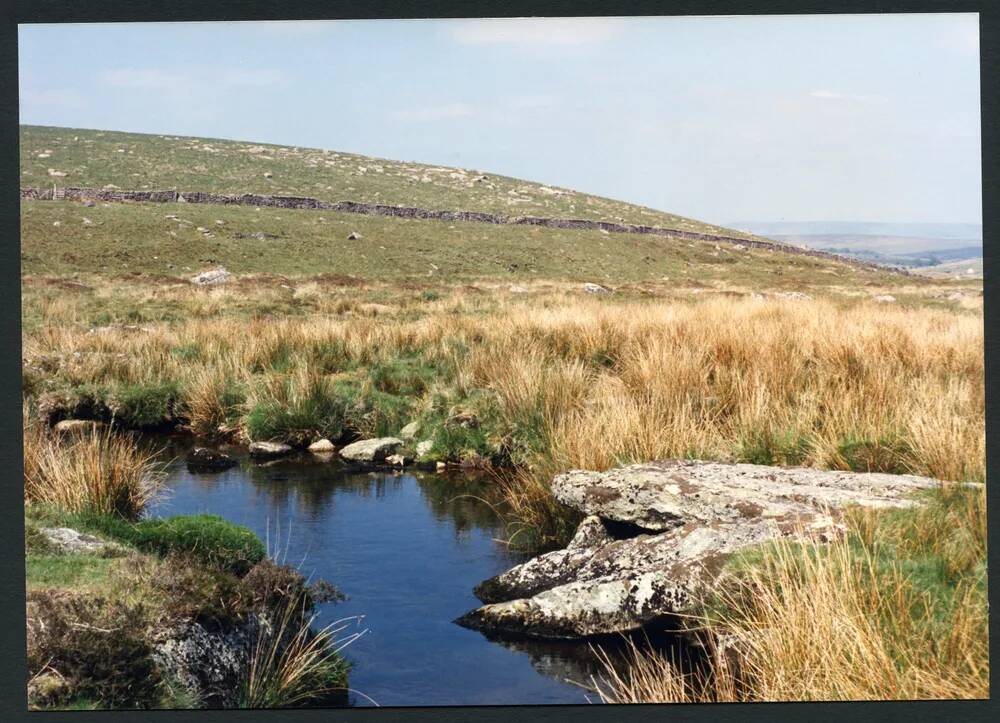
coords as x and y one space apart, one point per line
407 550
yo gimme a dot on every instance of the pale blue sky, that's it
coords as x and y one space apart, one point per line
797 118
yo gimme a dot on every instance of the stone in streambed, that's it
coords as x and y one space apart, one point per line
205 458
269 450
371 451
322 446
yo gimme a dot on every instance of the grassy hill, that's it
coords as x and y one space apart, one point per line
141 161
64 237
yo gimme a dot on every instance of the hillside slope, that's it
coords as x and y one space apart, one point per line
65 236
143 161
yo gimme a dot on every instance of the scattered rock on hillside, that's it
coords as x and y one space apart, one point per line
353 236
885 299
209 459
321 446
424 447
269 450
657 536
515 289
792 295
215 276
409 431
371 451
592 288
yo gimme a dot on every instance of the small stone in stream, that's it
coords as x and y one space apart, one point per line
269 450
371 451
409 431
77 426
398 460
440 467
321 446
205 458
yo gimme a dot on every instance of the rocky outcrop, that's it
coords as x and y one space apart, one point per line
657 536
209 665
70 541
371 451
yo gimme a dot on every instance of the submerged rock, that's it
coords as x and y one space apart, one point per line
205 458
371 451
657 536
269 450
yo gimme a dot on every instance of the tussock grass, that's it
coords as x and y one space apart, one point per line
572 382
97 472
895 610
291 665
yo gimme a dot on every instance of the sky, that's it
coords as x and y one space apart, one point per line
782 118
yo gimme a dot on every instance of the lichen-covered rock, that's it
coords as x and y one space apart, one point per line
269 450
371 451
663 495
658 534
209 665
410 431
210 278
68 540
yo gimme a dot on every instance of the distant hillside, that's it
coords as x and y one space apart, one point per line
144 161
941 231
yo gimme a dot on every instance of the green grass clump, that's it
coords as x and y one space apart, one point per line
209 538
298 413
145 406
772 447
887 454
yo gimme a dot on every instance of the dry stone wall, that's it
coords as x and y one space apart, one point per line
376 209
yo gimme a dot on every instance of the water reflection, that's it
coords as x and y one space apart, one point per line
407 550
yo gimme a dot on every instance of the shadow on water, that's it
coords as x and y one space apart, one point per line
407 551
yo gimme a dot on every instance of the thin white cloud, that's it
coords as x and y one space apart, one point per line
435 113
825 94
51 98
181 78
535 31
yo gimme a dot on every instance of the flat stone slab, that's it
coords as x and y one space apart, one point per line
269 450
371 451
71 541
658 534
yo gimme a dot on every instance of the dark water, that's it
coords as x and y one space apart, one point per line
407 551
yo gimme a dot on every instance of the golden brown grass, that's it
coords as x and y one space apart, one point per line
97 471
599 382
